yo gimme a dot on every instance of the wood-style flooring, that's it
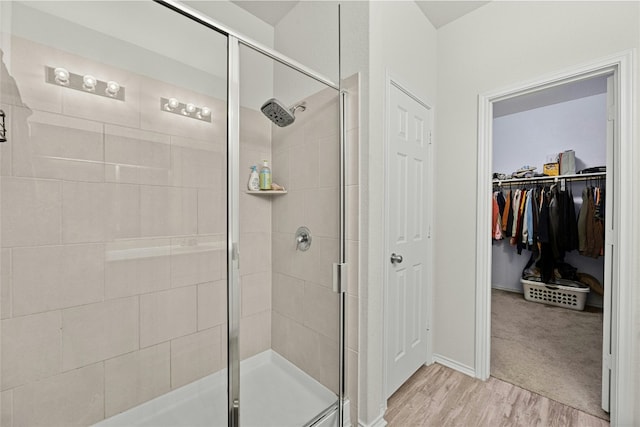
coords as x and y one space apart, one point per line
439 396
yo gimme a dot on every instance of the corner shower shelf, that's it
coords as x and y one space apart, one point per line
267 192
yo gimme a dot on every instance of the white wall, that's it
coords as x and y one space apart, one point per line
314 25
525 138
402 43
500 44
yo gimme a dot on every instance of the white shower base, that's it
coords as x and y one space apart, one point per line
273 393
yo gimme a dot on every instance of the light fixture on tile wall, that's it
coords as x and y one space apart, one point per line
172 105
87 83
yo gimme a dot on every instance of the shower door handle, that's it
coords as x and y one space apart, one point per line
396 259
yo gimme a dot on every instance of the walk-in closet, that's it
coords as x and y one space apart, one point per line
550 206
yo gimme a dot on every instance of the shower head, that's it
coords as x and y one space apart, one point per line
278 113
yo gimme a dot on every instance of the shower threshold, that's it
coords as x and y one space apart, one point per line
273 392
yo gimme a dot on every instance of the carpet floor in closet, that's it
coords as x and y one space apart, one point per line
552 351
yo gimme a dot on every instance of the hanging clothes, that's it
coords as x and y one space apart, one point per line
570 222
592 226
515 211
519 223
543 220
496 221
505 215
527 238
546 260
582 222
554 223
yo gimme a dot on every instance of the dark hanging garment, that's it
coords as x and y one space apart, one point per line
598 229
545 263
590 225
520 222
535 209
571 225
555 224
582 221
509 231
599 205
598 238
601 217
543 219
505 216
501 203
561 238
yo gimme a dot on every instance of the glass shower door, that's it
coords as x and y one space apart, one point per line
113 216
289 338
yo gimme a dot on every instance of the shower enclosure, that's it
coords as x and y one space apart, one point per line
142 283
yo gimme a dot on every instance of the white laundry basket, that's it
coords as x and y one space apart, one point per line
562 293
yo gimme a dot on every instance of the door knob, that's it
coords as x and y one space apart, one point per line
396 259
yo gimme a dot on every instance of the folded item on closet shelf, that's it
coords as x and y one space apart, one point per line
551 169
595 169
501 176
525 171
567 161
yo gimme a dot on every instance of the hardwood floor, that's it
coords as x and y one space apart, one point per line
440 396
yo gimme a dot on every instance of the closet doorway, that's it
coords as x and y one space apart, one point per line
547 322
615 72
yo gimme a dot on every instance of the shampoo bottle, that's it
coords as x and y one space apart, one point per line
265 176
254 180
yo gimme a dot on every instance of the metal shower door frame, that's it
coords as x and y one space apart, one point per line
234 40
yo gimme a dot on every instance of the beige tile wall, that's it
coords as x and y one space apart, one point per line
255 239
113 226
305 308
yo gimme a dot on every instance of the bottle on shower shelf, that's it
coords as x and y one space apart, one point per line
265 176
254 179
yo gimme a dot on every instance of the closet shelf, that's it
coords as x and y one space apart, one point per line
574 177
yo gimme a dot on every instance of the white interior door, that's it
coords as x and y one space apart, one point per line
407 229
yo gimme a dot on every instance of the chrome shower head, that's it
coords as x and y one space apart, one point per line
278 113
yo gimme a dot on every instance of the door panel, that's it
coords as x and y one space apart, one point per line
406 310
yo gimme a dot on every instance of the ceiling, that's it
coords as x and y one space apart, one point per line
270 12
552 95
439 13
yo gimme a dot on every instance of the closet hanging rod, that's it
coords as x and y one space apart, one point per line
573 177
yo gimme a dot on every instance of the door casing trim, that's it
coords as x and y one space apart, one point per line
622 387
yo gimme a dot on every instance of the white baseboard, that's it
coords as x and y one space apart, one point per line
467 370
378 422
